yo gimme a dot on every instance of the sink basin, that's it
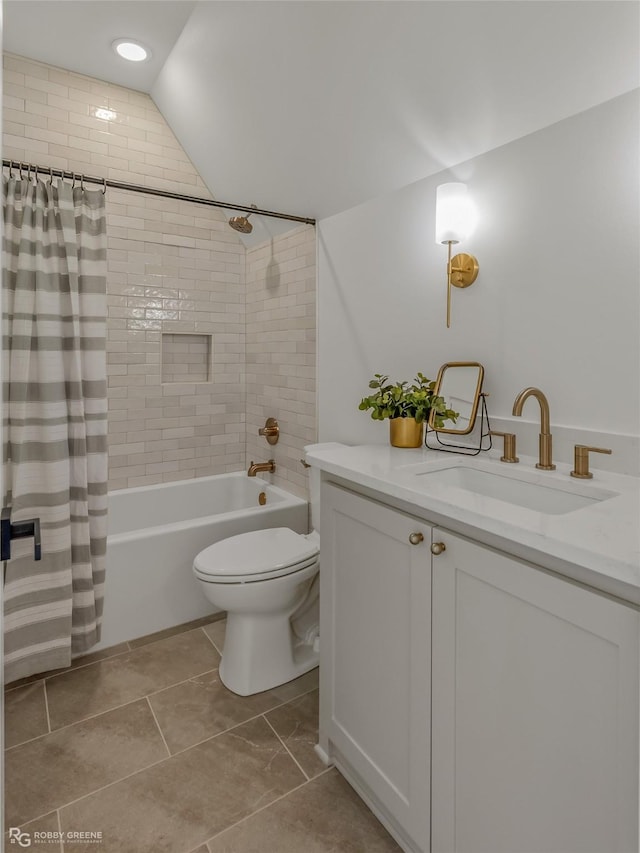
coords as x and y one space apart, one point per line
548 499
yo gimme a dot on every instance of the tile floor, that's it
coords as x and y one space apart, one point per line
144 744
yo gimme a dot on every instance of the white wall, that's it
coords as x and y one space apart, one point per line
556 303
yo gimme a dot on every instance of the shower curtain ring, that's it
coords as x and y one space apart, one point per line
50 176
21 167
82 182
73 181
10 169
104 186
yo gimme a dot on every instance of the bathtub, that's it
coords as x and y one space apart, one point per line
156 531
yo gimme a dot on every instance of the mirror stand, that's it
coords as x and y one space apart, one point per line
485 435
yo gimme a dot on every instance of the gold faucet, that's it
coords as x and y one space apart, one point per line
255 467
581 460
544 462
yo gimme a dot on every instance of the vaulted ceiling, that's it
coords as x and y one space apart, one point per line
314 107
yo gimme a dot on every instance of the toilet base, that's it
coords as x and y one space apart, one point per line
261 653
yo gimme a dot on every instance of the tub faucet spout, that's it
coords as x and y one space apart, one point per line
256 467
544 461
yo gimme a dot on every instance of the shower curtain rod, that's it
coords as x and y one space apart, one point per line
138 188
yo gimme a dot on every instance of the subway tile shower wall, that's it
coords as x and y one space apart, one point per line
281 352
174 268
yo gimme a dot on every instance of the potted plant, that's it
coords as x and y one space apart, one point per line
407 407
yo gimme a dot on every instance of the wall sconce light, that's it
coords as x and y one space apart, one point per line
454 222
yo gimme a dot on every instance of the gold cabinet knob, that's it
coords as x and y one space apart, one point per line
438 548
416 538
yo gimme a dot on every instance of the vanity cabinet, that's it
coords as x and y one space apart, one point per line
375 628
478 703
534 709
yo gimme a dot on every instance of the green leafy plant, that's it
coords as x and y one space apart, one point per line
401 400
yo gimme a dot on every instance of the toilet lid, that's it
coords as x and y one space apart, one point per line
256 555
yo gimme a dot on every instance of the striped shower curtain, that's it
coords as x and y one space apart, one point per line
55 413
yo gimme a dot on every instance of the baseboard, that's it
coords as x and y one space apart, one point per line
322 755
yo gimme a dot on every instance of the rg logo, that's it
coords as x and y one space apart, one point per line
17 836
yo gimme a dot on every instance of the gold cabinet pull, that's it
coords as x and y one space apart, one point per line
438 548
581 460
416 538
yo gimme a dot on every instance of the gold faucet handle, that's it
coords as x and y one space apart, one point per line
581 460
509 450
271 430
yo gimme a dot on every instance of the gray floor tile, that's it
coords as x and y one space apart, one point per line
25 714
60 767
91 657
202 707
216 631
297 724
107 684
175 806
324 816
304 684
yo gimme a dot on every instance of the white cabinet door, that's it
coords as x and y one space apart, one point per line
535 710
375 605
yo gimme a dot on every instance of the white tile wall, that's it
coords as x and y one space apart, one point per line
177 268
281 352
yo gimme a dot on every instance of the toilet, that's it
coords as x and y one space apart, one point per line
267 581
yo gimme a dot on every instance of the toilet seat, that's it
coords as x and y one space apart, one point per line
256 556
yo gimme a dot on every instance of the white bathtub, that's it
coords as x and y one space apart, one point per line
156 531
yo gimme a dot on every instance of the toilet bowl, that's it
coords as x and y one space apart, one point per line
267 581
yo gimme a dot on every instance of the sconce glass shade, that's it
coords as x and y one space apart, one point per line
455 215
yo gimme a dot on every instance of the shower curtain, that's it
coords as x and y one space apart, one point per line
55 416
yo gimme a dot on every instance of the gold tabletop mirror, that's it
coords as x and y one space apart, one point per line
460 383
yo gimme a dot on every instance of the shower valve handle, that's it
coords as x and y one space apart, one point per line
20 530
271 430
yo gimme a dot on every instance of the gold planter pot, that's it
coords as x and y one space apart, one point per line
405 432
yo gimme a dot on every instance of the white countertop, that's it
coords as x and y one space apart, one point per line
598 545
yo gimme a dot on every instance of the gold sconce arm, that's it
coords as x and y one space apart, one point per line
462 271
449 271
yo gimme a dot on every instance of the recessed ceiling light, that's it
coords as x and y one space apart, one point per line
131 50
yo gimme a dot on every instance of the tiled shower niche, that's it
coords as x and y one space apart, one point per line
186 358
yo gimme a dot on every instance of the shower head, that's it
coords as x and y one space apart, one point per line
241 223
